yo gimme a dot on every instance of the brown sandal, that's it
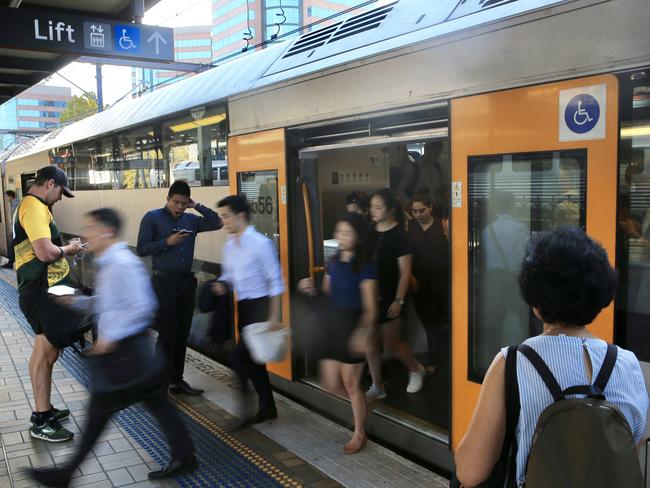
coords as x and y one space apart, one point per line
351 448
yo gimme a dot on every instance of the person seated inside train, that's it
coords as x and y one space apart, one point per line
429 284
566 303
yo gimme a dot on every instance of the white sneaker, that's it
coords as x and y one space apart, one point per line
416 380
375 393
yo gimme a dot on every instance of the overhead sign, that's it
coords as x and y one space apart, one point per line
582 113
39 30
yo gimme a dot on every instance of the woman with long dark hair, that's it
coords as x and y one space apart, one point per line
350 282
389 246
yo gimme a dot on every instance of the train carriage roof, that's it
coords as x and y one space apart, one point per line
386 28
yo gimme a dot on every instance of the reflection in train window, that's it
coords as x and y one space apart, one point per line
530 193
633 236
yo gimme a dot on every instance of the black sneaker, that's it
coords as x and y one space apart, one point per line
58 415
51 431
62 414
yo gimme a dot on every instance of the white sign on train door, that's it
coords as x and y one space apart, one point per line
582 113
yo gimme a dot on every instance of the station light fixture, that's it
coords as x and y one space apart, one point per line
210 120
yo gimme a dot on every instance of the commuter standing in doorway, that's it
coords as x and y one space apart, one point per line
250 267
168 235
41 263
125 305
429 281
13 203
390 248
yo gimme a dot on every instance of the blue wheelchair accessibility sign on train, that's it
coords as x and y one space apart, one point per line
582 113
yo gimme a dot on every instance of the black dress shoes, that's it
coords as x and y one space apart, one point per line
175 468
263 416
55 477
182 387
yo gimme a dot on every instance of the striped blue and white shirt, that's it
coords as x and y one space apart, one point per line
564 357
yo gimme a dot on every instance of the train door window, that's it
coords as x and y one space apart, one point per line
633 236
513 197
261 190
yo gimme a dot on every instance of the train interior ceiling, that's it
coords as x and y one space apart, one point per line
386 153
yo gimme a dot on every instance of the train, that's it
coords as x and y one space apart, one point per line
544 101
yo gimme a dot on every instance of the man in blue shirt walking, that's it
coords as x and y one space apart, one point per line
168 235
124 305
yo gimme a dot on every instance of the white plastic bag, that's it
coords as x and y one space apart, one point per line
265 345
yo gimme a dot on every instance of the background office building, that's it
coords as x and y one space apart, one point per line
265 19
34 111
191 45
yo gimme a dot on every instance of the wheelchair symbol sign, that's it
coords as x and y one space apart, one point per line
582 113
127 38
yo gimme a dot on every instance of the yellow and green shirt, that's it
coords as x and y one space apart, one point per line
34 221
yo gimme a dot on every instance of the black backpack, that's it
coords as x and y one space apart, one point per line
581 442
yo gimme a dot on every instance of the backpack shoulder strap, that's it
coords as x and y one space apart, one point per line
513 407
543 371
606 369
512 393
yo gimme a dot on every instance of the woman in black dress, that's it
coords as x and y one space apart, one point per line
389 246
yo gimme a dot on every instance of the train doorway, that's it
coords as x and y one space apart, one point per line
343 164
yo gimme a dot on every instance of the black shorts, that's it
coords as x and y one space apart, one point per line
61 325
31 300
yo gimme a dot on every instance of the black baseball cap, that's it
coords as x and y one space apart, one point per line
52 172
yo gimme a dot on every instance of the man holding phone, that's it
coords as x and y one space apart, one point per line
168 235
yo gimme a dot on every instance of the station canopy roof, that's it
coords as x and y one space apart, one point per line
21 69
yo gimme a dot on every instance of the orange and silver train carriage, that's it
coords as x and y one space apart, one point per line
536 110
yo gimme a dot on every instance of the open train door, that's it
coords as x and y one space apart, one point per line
523 161
257 168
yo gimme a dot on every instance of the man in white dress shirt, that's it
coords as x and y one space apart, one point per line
250 266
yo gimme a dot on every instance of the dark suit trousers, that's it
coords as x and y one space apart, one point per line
103 406
250 312
176 296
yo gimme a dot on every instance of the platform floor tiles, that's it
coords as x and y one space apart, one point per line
300 448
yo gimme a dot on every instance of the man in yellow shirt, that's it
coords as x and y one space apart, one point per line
41 263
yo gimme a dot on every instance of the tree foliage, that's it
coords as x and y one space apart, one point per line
79 107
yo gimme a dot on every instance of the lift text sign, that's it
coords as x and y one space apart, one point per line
59 32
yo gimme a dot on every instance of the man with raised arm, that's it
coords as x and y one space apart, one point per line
168 235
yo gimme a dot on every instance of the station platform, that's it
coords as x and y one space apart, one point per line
299 449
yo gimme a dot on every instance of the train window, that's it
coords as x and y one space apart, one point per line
130 159
633 234
192 148
531 193
196 147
